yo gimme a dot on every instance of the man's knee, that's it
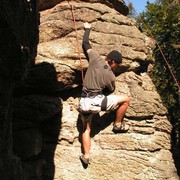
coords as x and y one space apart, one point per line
123 99
87 128
86 119
127 100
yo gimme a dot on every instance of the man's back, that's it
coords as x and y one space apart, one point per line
99 75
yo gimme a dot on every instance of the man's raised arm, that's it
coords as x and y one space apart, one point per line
85 44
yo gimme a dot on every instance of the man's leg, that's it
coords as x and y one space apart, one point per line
123 102
86 140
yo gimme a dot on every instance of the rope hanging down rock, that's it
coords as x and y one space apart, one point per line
77 40
140 18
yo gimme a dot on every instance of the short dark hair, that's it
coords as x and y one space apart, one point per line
116 56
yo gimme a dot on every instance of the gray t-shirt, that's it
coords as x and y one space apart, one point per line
99 75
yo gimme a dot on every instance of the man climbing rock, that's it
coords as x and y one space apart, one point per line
100 76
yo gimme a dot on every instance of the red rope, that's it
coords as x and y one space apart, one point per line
157 45
77 40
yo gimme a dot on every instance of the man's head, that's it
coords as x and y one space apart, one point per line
114 58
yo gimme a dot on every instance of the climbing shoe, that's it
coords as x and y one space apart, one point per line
84 160
121 129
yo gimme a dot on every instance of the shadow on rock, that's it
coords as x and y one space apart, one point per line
37 115
99 123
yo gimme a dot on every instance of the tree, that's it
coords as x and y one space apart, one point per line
132 11
162 19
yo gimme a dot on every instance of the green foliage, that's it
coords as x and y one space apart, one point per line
132 12
162 20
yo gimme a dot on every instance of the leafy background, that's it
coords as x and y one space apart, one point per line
161 20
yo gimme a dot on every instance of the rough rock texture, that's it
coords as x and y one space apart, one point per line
118 5
18 45
143 152
40 126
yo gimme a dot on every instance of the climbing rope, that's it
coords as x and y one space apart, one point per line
140 18
77 40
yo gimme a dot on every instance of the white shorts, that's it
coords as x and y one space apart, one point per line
88 104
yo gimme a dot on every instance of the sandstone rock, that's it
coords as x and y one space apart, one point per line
46 129
30 125
145 101
58 43
18 39
119 5
144 151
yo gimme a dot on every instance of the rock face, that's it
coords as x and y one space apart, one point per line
46 128
118 5
143 152
18 45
